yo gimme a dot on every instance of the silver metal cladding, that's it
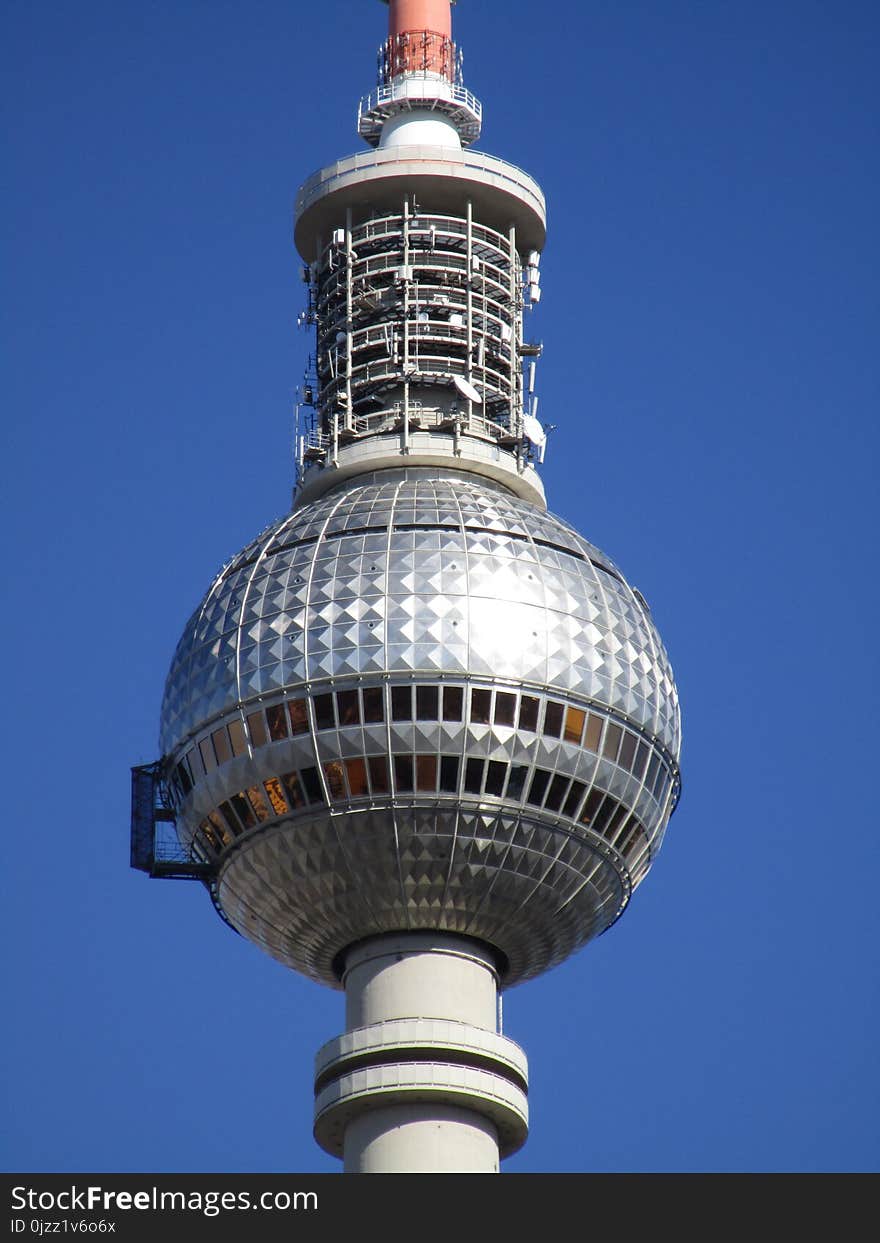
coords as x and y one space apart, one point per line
420 702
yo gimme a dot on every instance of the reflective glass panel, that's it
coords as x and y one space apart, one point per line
237 738
652 771
604 814
575 794
293 789
222 749
642 755
403 773
312 785
277 721
528 713
335 780
426 772
495 775
220 827
184 778
553 719
594 733
298 711
276 796
243 810
206 751
325 718
556 793
613 735
481 702
257 800
627 751
374 712
449 773
348 707
228 813
357 777
538 786
427 703
574 724
505 708
378 766
453 703
473 776
257 728
517 780
594 798
401 703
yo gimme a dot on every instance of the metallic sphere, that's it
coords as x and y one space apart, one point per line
420 702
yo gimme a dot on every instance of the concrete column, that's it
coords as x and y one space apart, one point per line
421 1081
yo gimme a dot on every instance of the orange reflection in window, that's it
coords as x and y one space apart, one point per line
357 777
276 796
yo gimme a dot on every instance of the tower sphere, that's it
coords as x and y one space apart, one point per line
420 702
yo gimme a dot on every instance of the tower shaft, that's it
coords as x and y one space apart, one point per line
420 1081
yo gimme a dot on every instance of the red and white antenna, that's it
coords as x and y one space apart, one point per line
420 99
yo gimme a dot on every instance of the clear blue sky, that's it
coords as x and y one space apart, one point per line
710 320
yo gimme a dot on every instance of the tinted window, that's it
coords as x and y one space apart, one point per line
495 777
298 711
237 738
574 724
357 777
276 796
335 779
293 790
277 719
403 772
528 713
517 781
473 776
505 708
594 798
553 719
613 735
228 814
312 785
481 702
243 810
426 772
594 733
257 728
453 703
222 749
449 773
373 710
641 759
349 708
401 703
538 787
325 718
378 767
427 703
627 751
558 786
257 800
575 794
206 751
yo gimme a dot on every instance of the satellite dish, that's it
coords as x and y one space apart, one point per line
467 390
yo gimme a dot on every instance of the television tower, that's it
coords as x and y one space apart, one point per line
420 739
